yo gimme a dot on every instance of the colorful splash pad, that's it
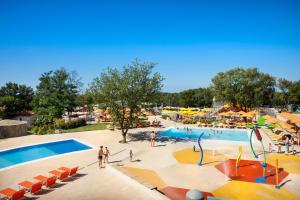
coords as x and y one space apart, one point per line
250 171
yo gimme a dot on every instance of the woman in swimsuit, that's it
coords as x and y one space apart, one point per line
152 139
100 156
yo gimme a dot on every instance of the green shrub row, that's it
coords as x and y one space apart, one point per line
62 124
42 129
164 116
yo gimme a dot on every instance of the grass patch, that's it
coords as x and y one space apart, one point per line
92 127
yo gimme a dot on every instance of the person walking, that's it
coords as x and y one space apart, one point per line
292 145
286 143
152 138
106 154
100 156
130 155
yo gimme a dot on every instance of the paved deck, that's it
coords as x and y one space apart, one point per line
153 167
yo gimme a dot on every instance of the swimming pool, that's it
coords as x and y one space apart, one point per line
25 154
211 134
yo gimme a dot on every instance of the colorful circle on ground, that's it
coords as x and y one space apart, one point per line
261 121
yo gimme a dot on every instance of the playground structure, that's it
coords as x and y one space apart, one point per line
253 170
239 157
249 170
277 186
201 150
261 123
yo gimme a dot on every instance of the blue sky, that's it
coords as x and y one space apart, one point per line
190 40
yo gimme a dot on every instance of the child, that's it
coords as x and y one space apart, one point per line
106 154
270 147
152 138
130 155
293 145
287 145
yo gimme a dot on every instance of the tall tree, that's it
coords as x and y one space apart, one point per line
170 99
294 93
56 94
15 98
284 88
246 87
124 92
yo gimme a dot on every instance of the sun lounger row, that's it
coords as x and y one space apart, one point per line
221 125
35 186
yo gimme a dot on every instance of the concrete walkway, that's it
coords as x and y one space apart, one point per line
107 183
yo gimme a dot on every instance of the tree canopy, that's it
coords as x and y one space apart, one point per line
56 93
124 92
245 87
15 98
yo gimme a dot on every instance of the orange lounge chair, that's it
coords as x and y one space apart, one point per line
47 181
13 194
71 171
60 175
31 187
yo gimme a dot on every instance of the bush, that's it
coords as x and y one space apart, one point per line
62 124
189 121
43 129
164 116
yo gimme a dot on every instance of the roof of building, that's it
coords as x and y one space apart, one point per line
8 122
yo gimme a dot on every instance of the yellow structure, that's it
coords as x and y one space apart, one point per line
145 176
290 163
239 157
240 190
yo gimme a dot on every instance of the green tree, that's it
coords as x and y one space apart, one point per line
170 99
125 92
246 87
86 100
188 98
294 93
15 98
56 94
284 88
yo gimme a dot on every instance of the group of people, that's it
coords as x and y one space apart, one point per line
103 156
289 144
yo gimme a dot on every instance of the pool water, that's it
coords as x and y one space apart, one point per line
211 134
29 153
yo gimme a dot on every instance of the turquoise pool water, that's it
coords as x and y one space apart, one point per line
29 153
211 134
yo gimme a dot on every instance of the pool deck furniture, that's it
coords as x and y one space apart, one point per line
31 187
12 194
71 171
61 175
47 181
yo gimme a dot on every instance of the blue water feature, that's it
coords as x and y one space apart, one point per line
210 134
29 153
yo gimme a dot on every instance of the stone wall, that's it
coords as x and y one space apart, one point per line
12 128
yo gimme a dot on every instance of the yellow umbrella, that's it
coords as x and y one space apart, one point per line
241 112
231 113
271 119
253 112
293 118
98 111
223 114
248 115
201 114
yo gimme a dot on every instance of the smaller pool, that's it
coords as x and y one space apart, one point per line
211 134
29 153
